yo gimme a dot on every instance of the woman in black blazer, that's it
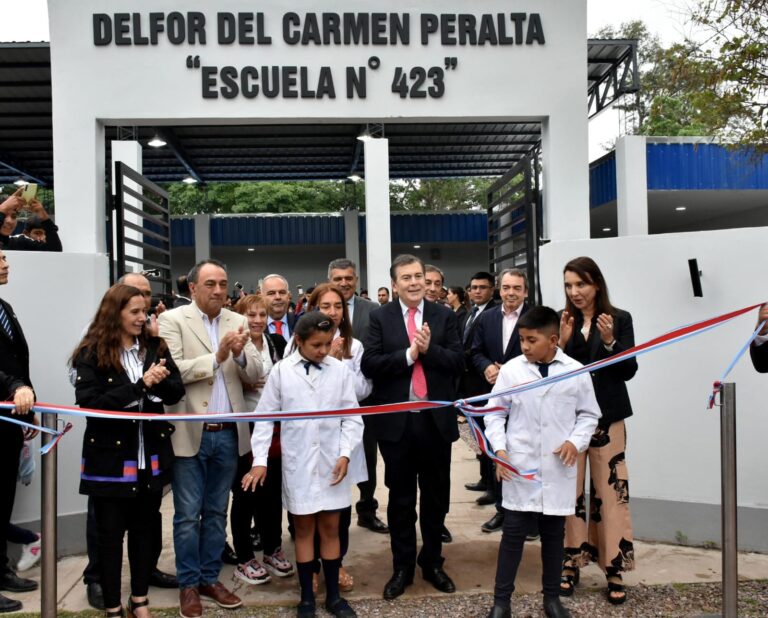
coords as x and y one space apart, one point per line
591 329
457 301
125 463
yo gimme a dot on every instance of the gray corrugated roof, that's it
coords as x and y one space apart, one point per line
265 152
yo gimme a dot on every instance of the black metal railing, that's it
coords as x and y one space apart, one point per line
151 220
514 222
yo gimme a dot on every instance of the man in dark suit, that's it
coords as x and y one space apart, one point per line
277 294
343 274
16 385
494 342
481 288
183 297
413 353
758 351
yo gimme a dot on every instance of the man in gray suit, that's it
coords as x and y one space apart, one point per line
343 274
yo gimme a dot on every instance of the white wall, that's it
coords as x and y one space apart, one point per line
54 296
151 85
673 451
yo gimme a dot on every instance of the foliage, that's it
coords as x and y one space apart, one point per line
718 87
739 35
324 196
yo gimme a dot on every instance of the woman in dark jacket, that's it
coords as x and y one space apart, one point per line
125 463
591 329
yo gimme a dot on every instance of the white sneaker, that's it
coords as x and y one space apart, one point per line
252 572
30 555
277 564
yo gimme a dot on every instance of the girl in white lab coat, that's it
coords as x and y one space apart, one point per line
316 452
329 299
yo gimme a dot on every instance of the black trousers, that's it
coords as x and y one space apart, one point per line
115 517
517 524
367 503
11 441
421 458
92 571
265 506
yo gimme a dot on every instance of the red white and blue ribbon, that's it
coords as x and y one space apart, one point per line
716 387
670 338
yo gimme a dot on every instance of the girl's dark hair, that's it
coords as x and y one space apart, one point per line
588 271
345 328
104 336
460 292
312 322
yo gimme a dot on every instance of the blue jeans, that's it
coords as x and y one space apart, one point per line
201 487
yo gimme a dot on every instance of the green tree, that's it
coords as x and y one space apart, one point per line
738 50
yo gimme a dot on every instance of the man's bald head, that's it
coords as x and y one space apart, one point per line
140 282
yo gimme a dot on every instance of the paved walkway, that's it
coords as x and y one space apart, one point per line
470 559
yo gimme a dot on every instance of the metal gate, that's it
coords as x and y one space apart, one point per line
514 222
142 228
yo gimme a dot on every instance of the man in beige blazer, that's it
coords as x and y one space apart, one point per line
212 348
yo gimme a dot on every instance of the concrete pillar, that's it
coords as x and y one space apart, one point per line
129 153
378 239
565 175
352 239
631 186
202 237
79 169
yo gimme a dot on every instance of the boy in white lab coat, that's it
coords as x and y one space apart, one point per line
546 428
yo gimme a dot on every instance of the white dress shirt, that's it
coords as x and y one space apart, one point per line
219 401
508 323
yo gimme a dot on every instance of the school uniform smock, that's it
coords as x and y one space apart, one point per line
538 422
310 448
358 470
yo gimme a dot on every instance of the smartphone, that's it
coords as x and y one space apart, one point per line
238 285
29 193
300 289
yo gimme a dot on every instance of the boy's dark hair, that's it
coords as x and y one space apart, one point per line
313 322
542 319
33 223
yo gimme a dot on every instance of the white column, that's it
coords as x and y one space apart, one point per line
129 153
378 240
79 169
202 237
565 171
631 186
352 239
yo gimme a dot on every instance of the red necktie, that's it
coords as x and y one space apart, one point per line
419 380
278 327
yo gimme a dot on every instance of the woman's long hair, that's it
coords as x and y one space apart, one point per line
588 271
104 336
345 328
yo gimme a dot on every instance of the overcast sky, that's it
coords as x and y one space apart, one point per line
27 20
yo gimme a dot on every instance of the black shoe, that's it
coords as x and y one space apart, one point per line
397 584
553 608
305 609
372 523
439 579
14 583
479 486
446 536
500 612
158 579
494 524
9 605
487 498
228 556
95 595
340 608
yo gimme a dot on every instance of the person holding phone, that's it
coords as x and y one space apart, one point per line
42 235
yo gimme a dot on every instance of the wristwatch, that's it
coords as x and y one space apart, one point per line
609 346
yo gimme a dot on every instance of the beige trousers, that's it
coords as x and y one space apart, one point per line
604 535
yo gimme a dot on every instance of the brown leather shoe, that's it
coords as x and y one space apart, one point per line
189 603
220 595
